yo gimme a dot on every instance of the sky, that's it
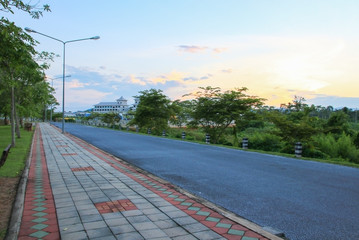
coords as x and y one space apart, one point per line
277 49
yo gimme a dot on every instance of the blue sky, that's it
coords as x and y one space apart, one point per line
275 48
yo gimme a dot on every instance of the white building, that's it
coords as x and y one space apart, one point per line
119 106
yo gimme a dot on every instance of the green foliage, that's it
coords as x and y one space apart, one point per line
265 141
110 118
342 148
181 111
337 123
153 111
34 10
214 111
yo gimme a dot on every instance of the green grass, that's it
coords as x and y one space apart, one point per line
16 159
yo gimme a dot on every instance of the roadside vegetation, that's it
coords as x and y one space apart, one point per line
326 134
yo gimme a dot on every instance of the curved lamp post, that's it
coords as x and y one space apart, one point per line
63 66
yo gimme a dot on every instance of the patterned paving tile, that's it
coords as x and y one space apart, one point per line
115 206
37 222
82 169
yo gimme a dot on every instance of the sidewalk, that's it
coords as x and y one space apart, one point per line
75 191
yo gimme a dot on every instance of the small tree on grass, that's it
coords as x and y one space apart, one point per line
215 111
153 111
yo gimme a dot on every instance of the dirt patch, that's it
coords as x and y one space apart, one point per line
8 188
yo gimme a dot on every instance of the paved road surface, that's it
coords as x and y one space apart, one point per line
304 199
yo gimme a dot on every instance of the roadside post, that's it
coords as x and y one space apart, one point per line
245 143
183 135
208 138
298 149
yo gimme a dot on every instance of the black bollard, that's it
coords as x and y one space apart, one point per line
245 143
298 149
208 138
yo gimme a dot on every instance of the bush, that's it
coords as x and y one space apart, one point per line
343 148
265 141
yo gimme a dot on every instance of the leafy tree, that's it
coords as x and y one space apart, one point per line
153 111
181 112
34 10
110 118
337 123
215 111
19 72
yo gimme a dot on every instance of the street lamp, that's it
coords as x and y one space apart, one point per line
52 85
63 66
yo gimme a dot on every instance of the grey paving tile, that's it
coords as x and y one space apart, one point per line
129 236
75 235
105 238
207 235
185 220
152 233
138 219
165 224
144 226
99 232
151 211
175 231
177 214
67 221
185 237
124 228
158 217
91 218
167 209
72 228
94 225
87 209
196 227
116 221
62 215
112 215
132 213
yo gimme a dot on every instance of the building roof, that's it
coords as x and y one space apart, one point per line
106 103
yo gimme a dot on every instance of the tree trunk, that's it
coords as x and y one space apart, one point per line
17 125
235 143
12 117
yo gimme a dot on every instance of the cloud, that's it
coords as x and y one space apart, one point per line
75 83
335 101
229 70
136 80
192 49
199 49
219 50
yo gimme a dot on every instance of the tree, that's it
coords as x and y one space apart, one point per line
110 118
337 123
19 72
153 111
34 10
181 112
215 111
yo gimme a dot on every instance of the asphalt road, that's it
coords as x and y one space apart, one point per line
304 199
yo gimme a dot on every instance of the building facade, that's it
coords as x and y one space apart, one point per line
120 106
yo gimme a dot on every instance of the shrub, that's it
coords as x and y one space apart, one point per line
265 141
343 148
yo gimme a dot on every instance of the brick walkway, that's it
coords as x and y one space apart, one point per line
76 191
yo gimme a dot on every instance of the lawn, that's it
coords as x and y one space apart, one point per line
11 171
15 162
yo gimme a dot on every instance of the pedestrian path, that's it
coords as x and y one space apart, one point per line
76 191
